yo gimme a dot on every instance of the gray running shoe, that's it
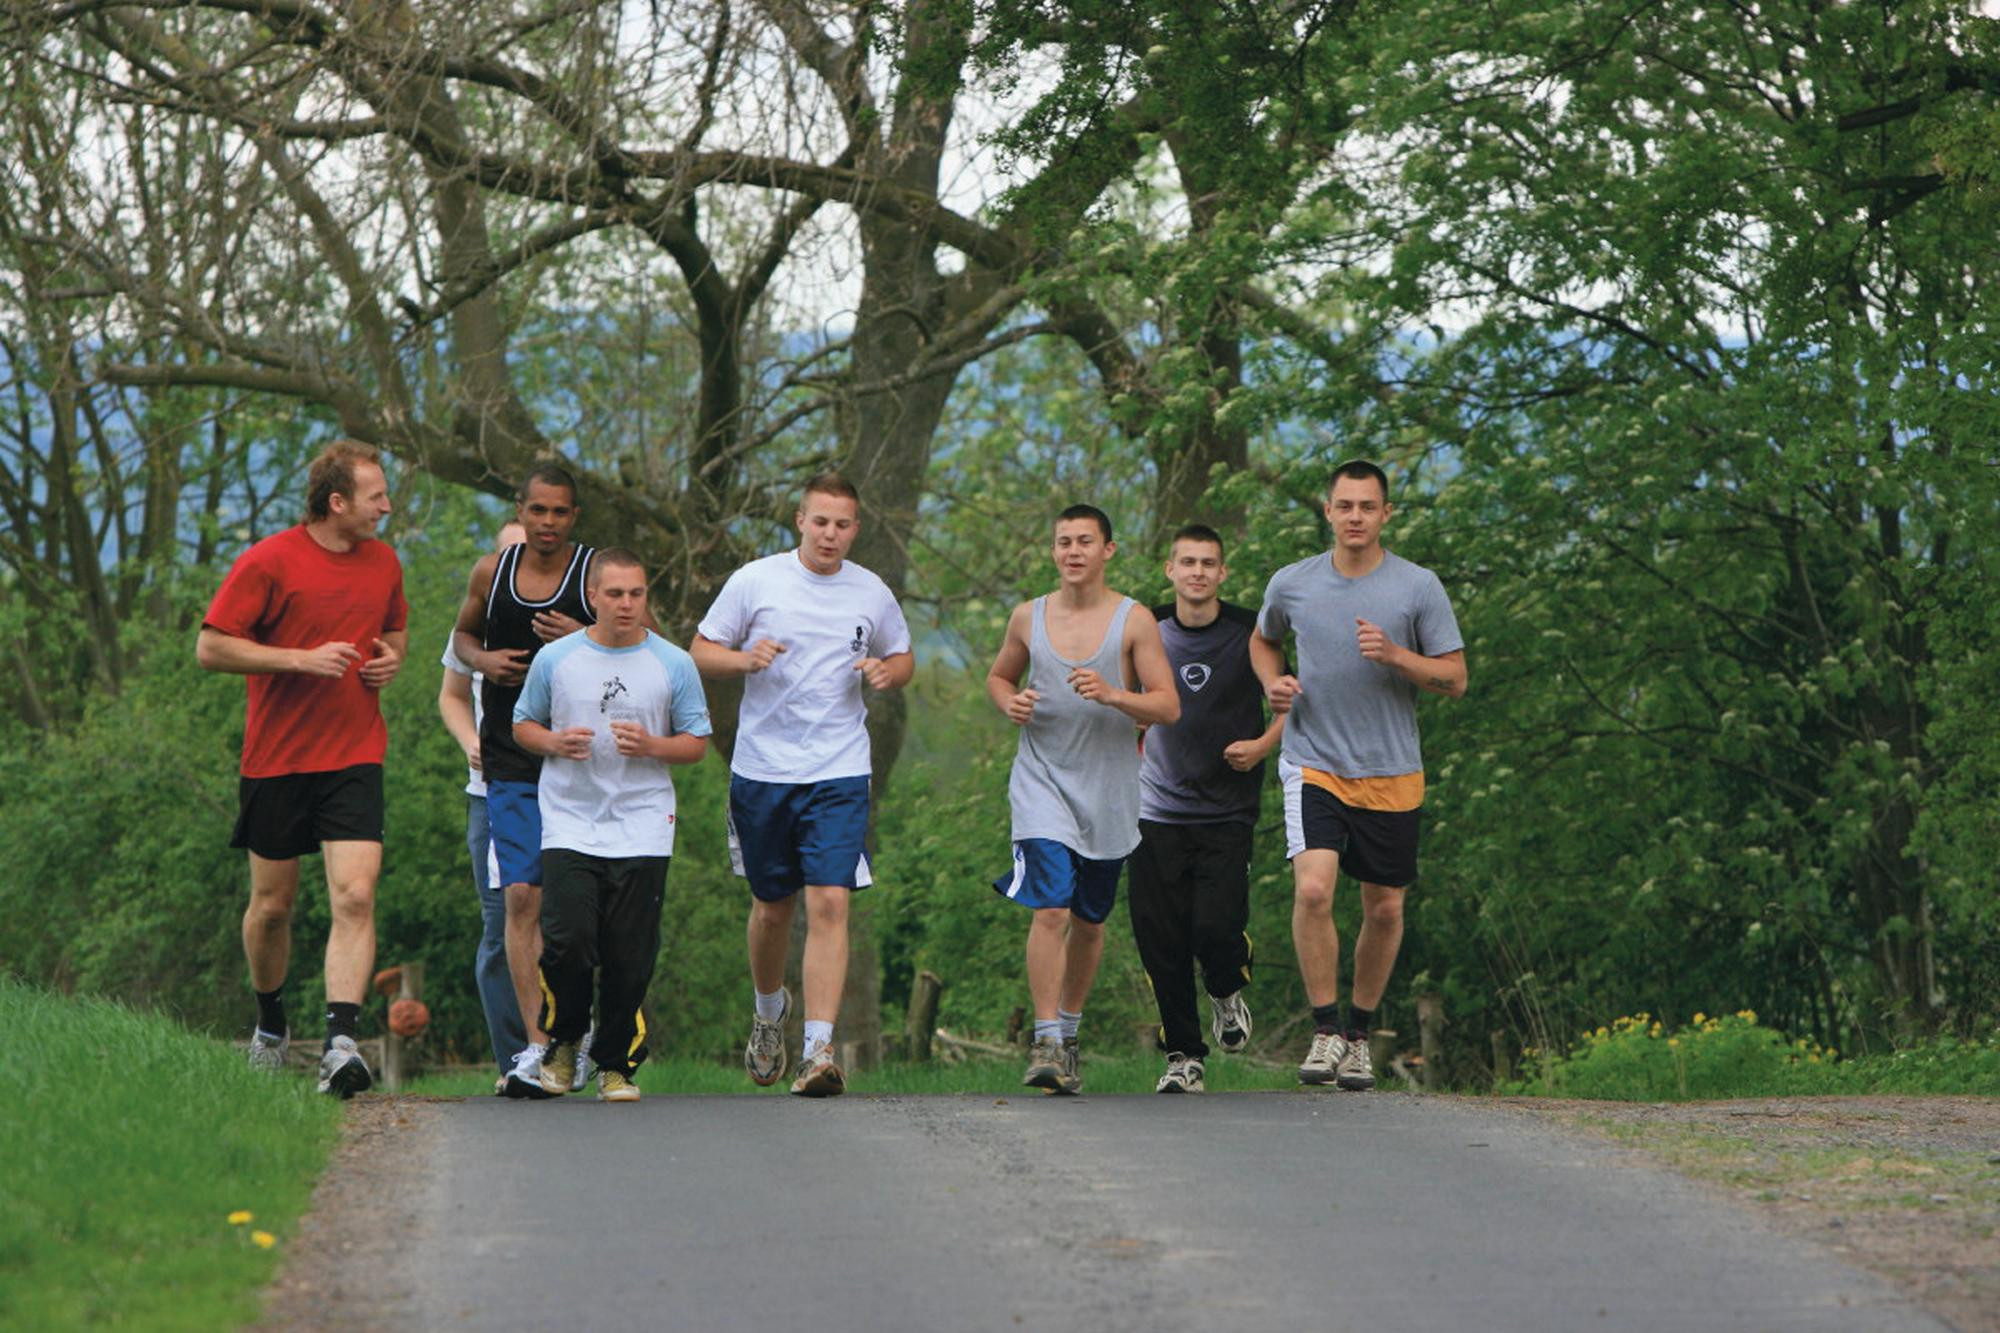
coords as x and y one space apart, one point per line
1230 1023
1184 1074
585 1066
819 1076
342 1071
524 1080
1321 1062
765 1056
1045 1066
558 1067
1071 1082
269 1053
1356 1072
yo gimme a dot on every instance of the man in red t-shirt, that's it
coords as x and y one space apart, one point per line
315 617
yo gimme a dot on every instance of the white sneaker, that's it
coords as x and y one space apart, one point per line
585 1066
1323 1059
1357 1069
765 1055
342 1071
1184 1074
524 1080
1230 1022
269 1053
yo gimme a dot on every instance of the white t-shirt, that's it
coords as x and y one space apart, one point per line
803 719
475 783
611 804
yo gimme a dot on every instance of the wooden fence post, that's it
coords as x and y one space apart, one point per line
1503 1056
922 1020
396 1050
1382 1047
1430 1036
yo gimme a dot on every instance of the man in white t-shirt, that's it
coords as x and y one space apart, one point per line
608 709
808 629
458 704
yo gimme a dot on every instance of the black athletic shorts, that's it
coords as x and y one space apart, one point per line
285 817
1375 846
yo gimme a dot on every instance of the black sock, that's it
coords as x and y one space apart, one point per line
1326 1017
1360 1022
271 1010
341 1020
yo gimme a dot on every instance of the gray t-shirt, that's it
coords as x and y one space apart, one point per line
1355 718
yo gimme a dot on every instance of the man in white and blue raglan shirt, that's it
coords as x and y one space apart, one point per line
608 708
808 628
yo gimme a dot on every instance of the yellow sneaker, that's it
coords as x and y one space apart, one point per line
613 1086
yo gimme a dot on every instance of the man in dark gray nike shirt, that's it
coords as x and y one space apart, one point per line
1200 779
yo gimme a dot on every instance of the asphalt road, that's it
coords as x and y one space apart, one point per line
1325 1210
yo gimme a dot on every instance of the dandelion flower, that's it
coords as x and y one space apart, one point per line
263 1240
1700 1018
1673 1041
240 1217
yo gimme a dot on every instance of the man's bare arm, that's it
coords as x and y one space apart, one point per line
232 655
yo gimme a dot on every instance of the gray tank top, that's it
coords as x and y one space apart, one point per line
1076 772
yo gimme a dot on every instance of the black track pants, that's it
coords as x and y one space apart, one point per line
1189 895
600 914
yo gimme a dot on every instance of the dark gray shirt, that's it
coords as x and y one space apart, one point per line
1183 778
1355 718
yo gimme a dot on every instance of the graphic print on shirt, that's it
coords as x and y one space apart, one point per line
1196 675
860 639
612 689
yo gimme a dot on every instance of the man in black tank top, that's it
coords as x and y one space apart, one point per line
517 600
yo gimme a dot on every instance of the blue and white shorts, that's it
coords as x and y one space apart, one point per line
1048 874
786 835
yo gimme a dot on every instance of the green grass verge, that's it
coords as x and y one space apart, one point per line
985 1078
129 1142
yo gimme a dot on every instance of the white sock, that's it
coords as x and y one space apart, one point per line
770 1007
818 1034
1048 1029
1070 1023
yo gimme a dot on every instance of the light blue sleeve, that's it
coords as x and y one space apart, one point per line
688 703
533 705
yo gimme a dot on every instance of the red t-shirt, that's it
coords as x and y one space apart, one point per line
288 591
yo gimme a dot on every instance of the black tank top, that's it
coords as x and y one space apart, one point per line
510 623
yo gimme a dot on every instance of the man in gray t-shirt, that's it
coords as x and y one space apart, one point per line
1373 631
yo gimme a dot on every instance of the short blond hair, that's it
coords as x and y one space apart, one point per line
332 473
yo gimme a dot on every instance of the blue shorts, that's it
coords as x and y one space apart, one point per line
514 817
1048 874
786 835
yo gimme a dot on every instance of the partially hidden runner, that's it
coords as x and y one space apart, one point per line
459 705
1201 781
516 601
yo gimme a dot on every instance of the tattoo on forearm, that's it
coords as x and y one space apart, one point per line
1440 683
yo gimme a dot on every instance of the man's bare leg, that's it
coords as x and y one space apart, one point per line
1081 955
524 955
1314 935
351 871
1047 948
770 937
267 921
1375 949
825 962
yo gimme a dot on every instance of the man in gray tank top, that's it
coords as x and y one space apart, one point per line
1078 672
1373 632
